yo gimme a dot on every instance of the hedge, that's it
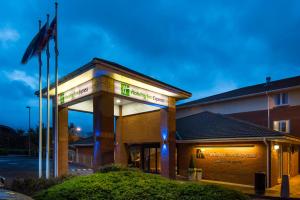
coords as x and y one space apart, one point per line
31 186
135 185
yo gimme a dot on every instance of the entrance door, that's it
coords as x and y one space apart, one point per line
151 159
145 157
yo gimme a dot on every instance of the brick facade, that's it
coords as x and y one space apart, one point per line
291 113
237 162
226 162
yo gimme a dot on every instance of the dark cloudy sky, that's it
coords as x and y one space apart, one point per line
205 47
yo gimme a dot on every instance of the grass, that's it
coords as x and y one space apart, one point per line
135 185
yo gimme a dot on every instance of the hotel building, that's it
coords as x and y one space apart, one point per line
256 128
136 122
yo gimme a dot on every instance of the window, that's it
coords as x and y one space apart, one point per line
282 126
281 99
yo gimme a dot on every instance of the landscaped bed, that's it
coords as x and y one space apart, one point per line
135 185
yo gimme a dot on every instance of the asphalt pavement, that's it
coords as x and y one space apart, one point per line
13 166
10 195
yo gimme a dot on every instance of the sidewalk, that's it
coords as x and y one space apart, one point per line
9 195
270 192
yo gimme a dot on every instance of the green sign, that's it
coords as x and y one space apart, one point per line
135 92
125 89
62 98
76 92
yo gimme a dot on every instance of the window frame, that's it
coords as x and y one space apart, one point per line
278 127
280 98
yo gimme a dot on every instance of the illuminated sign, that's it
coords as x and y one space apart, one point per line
135 92
232 155
120 88
75 93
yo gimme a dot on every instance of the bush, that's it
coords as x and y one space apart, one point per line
113 168
31 186
134 185
3 152
18 151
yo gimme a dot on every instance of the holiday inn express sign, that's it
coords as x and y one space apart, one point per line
120 88
131 91
76 92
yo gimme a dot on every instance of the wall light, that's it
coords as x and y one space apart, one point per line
276 146
118 101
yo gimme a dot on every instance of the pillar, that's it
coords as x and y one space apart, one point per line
168 140
103 118
63 141
121 154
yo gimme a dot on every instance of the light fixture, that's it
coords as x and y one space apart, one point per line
78 129
118 101
276 146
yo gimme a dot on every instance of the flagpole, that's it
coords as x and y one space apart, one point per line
56 96
40 110
48 108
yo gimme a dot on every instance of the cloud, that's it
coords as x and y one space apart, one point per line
8 35
214 47
18 75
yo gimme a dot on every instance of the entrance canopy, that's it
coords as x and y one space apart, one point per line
129 87
106 90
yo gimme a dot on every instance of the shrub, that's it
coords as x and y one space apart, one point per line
113 168
3 152
30 186
18 151
134 185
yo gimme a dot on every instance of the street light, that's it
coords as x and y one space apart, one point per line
29 108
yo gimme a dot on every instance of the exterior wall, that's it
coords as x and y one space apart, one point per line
289 165
241 105
254 109
227 107
291 113
294 168
256 117
275 166
84 155
234 163
151 127
141 128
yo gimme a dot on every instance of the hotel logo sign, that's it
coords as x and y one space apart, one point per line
135 92
125 89
75 93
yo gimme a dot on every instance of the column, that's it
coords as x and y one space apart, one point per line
103 118
63 141
120 150
168 140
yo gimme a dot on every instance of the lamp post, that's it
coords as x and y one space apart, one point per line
29 129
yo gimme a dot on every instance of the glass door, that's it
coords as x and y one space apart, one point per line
151 158
145 157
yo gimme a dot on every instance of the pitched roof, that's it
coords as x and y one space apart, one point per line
249 90
207 125
140 74
94 61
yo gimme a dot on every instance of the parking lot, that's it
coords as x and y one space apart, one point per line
24 167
